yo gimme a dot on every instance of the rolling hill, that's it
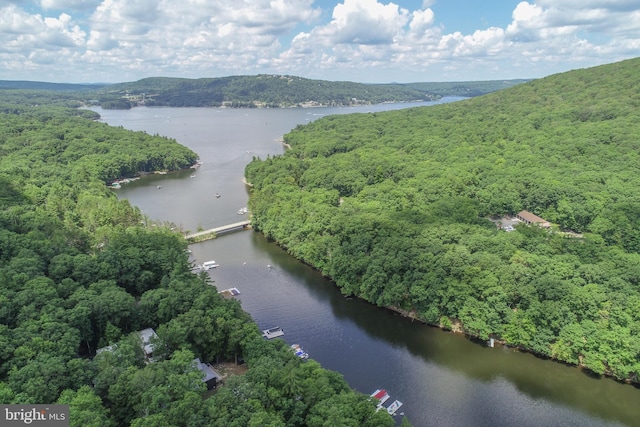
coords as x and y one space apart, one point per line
395 207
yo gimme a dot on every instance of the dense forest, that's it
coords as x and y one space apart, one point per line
253 91
290 91
264 91
466 89
81 270
397 209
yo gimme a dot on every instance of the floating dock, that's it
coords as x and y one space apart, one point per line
273 332
394 407
229 293
380 395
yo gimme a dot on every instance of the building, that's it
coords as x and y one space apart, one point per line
529 218
146 335
211 376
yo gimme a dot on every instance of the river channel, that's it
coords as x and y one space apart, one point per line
443 379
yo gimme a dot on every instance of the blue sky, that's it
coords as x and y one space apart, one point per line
368 41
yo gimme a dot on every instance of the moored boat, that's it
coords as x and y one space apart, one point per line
298 351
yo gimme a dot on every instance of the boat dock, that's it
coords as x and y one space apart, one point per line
229 293
273 332
393 408
382 396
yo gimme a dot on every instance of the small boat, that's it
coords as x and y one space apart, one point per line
298 351
394 407
159 187
242 211
217 195
273 332
193 176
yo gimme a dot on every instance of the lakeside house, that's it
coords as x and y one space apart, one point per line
146 335
529 218
211 376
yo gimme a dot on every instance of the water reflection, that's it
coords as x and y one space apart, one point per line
443 379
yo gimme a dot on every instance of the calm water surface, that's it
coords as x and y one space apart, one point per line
443 379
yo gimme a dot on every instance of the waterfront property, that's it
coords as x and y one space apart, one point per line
211 376
146 337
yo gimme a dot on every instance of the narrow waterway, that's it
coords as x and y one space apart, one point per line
443 379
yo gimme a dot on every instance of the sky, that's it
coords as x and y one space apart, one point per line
368 41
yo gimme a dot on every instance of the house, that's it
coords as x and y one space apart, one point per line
529 218
145 336
211 376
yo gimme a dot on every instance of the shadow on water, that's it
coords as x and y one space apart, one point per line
443 378
536 377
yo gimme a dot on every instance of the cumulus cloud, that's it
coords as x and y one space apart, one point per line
70 4
365 22
196 38
20 31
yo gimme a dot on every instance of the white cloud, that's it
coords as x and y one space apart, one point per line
365 22
70 4
107 40
22 32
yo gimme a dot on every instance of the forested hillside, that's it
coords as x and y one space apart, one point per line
265 90
81 270
395 208
247 91
467 89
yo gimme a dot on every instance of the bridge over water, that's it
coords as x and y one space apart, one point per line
221 229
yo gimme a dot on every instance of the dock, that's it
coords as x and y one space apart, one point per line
273 332
380 395
393 408
229 293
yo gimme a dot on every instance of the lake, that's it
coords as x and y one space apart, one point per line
443 379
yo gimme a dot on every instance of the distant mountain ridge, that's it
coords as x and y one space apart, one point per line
34 85
286 91
260 91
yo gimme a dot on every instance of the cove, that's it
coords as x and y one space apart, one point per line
443 378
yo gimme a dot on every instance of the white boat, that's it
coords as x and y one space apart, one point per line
242 211
273 332
210 264
394 407
298 351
